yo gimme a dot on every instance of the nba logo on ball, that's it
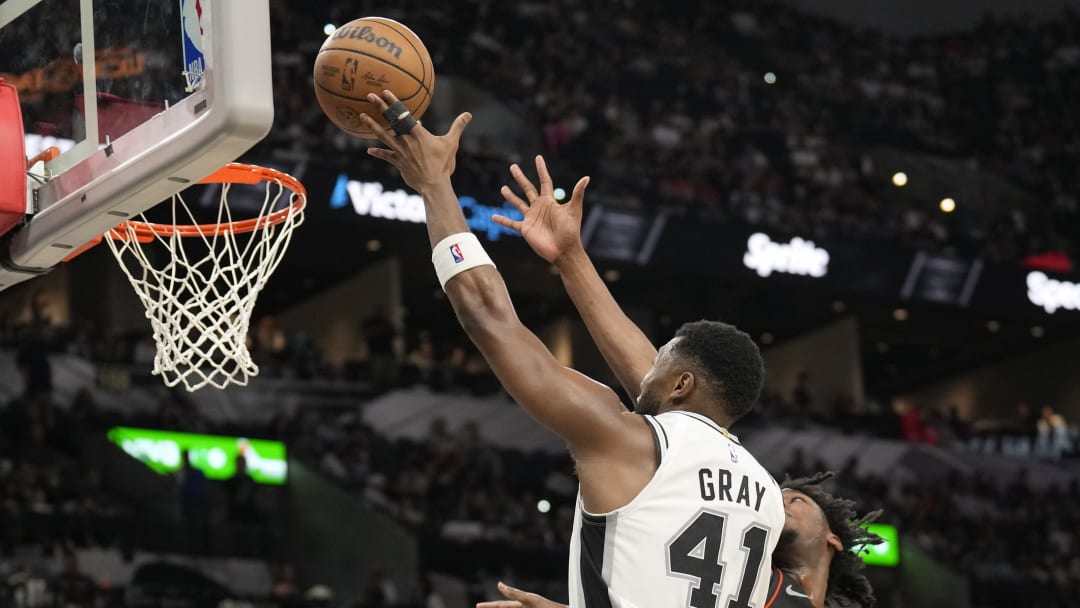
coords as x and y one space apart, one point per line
455 251
191 26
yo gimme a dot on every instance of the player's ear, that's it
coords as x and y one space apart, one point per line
834 541
684 385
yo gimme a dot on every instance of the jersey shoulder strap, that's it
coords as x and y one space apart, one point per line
660 437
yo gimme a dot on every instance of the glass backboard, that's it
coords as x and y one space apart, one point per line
88 72
142 97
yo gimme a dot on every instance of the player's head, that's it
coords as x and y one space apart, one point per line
817 522
706 360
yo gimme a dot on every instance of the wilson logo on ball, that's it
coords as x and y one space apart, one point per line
348 116
367 35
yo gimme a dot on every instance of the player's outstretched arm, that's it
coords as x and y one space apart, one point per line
584 412
520 599
553 230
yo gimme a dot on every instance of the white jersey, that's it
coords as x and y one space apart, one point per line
700 534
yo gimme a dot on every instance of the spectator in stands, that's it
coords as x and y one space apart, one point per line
240 491
456 371
29 589
1052 435
318 596
911 423
960 427
284 590
82 415
1025 423
8 329
421 363
34 345
194 494
439 437
268 343
381 337
144 352
432 597
71 588
37 450
798 466
805 406
10 531
379 591
104 512
935 431
303 355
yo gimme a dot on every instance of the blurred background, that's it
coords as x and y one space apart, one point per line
883 195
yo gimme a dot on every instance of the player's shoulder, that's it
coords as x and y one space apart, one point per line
785 591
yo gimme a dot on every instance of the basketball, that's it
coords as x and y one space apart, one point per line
369 55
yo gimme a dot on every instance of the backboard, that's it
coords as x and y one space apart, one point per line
142 97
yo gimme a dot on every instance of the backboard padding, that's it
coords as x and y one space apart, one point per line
12 163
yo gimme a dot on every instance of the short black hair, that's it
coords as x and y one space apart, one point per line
727 360
846 582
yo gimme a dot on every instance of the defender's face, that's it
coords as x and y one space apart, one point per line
804 518
656 385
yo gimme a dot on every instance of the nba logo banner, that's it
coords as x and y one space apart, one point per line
455 251
192 13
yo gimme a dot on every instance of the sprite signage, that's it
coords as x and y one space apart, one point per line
884 554
214 455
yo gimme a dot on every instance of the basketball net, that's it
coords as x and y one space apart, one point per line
199 282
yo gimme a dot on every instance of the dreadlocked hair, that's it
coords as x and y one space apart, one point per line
846 582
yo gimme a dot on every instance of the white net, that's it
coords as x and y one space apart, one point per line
200 289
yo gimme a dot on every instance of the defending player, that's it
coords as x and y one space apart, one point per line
672 510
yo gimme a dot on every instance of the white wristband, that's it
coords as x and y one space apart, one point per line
458 253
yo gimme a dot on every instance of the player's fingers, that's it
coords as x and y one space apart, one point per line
523 182
382 153
458 127
380 131
528 600
382 100
506 222
500 604
380 103
546 187
389 97
514 199
578 197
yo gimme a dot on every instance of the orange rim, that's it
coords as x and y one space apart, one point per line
232 173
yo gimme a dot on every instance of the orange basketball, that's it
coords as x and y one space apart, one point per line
369 55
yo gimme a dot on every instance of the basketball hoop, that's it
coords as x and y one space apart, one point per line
200 291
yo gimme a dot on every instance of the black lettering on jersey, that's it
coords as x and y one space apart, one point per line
705 477
717 486
760 489
744 491
725 484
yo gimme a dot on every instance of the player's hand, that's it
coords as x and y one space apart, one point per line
425 160
550 228
520 599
